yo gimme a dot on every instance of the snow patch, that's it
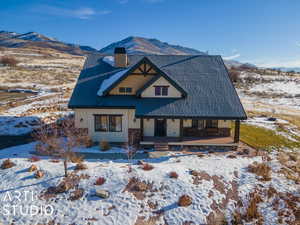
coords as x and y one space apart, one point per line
109 59
109 81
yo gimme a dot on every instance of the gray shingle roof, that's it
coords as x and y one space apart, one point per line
210 93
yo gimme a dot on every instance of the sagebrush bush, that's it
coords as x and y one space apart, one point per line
34 159
147 166
75 158
80 166
261 169
104 145
173 174
100 181
185 200
7 164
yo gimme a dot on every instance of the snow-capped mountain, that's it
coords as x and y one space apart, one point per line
141 45
33 39
33 36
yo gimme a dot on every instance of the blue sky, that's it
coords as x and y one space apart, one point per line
264 32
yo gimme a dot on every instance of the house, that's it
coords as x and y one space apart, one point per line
179 99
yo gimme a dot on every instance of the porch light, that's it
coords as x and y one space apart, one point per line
134 120
173 120
81 119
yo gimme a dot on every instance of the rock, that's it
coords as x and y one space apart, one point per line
246 151
141 186
102 193
231 156
32 168
271 119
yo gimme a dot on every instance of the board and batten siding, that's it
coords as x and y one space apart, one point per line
84 118
150 91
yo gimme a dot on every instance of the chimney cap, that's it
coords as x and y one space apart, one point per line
120 50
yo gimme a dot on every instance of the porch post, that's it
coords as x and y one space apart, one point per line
237 131
142 128
181 129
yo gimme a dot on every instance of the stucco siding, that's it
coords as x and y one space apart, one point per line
150 91
84 118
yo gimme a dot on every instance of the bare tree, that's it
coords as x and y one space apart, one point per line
130 150
59 139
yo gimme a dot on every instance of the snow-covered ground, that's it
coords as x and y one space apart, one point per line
122 207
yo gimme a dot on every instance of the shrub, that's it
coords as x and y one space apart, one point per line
147 166
75 158
104 145
185 200
173 174
8 61
261 169
252 210
34 159
141 186
100 181
7 164
80 166
234 75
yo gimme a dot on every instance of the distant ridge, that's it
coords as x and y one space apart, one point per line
33 39
141 45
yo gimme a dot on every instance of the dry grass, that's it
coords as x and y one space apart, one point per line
291 165
76 194
264 139
261 169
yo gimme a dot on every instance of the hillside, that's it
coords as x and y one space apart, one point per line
36 40
141 45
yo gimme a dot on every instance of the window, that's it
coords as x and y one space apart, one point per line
108 123
125 89
199 124
161 90
211 123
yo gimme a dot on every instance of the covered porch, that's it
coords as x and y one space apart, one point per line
189 132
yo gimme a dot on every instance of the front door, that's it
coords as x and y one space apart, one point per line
160 128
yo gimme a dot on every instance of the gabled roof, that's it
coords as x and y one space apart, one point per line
210 93
121 75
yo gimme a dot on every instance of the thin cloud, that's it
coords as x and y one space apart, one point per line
298 43
123 1
80 13
232 56
280 63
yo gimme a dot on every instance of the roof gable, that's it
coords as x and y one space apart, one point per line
142 63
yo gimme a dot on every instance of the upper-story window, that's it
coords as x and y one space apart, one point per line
125 90
161 90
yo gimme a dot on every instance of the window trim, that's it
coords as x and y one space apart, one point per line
125 90
197 121
161 88
108 121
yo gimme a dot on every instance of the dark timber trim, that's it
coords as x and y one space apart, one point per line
181 129
142 128
237 131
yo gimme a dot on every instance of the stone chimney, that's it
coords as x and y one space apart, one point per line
120 57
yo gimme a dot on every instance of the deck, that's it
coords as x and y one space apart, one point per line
190 141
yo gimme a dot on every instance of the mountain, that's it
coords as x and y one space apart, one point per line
288 69
140 45
33 39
